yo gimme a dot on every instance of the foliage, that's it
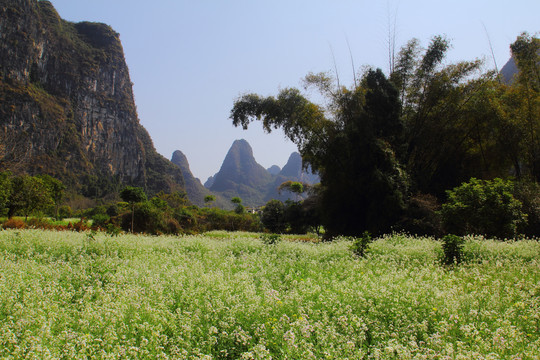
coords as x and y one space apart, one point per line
528 193
64 211
422 216
452 246
362 181
208 199
56 189
270 239
133 195
360 245
5 190
233 297
484 207
100 220
273 216
239 209
29 195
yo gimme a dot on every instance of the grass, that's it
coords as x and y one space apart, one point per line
228 296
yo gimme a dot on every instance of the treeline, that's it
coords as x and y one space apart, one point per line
390 149
42 196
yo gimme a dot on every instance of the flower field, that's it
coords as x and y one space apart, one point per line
68 295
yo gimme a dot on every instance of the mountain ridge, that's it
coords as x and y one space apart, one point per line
240 175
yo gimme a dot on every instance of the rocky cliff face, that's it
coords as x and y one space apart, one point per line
67 107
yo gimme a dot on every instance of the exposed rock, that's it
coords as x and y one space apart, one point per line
67 107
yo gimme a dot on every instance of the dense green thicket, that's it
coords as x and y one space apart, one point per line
388 148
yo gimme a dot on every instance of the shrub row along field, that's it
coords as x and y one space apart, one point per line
230 296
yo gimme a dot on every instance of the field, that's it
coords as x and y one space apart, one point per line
68 295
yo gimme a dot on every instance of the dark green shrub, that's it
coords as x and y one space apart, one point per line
113 230
360 245
296 217
113 210
100 220
422 216
528 192
484 208
273 216
270 239
65 212
452 246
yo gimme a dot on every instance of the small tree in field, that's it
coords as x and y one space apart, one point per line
273 216
133 195
239 207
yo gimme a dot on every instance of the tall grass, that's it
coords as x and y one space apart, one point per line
229 296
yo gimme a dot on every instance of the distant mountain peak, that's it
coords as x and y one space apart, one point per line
241 175
274 170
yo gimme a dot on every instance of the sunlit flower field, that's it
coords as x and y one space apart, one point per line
74 295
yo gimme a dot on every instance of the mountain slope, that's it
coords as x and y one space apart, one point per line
195 190
241 175
67 107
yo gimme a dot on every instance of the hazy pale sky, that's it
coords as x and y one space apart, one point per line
189 60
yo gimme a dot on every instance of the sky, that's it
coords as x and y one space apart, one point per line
190 59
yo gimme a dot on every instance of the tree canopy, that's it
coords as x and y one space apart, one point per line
425 128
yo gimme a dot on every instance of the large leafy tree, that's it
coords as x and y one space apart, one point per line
522 101
351 143
30 194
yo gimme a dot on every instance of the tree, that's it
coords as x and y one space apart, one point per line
240 209
484 207
208 199
133 195
445 116
273 216
56 189
351 143
295 187
523 99
29 194
5 190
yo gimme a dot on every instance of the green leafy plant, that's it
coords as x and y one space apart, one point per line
483 207
360 245
452 249
270 239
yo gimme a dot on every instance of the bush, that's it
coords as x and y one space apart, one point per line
100 220
270 239
65 212
273 216
14 223
483 208
452 249
360 245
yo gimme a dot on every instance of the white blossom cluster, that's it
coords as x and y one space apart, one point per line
67 295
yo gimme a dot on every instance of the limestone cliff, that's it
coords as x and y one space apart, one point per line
67 106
